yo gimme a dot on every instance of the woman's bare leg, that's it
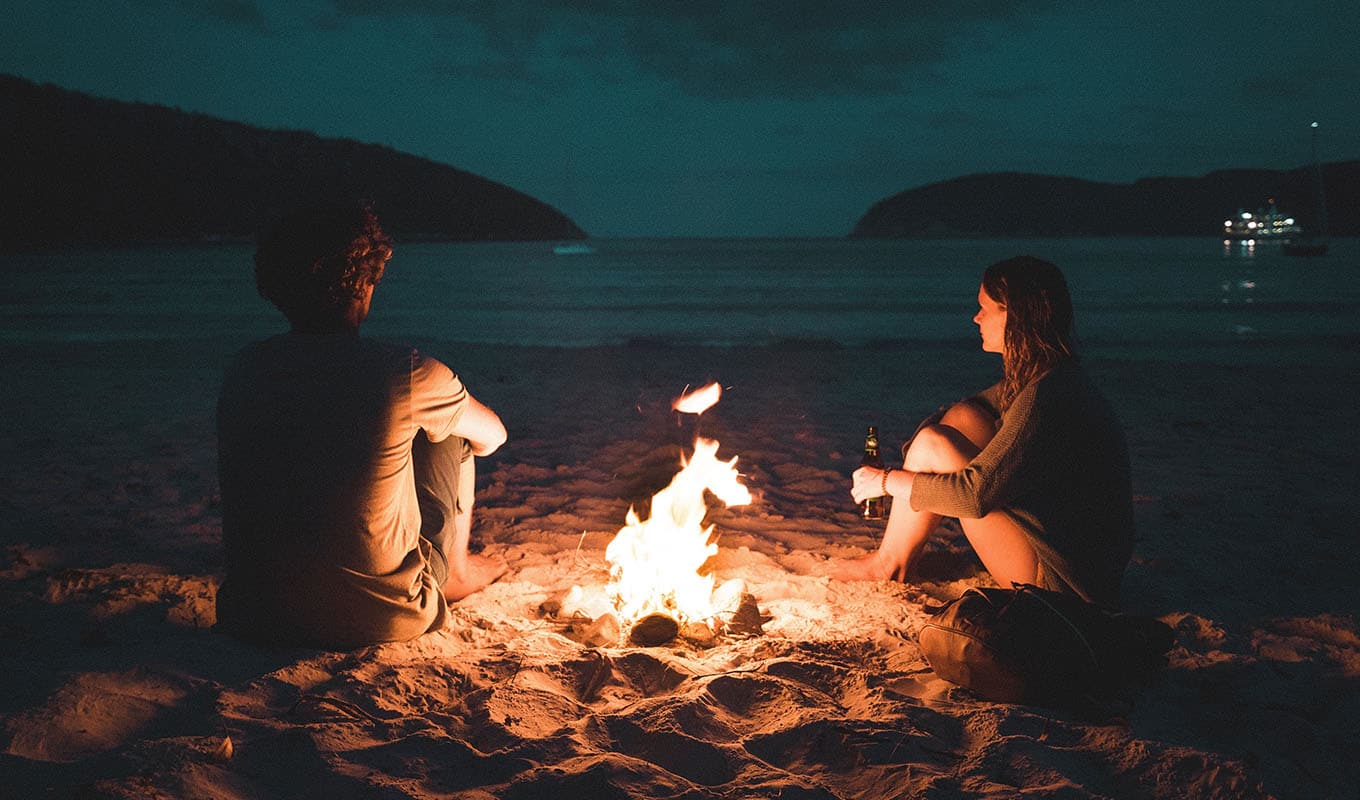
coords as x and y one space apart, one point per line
903 540
1001 545
1003 548
936 448
947 446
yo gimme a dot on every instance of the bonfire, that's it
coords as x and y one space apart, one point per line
658 585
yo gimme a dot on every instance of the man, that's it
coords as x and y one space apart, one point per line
346 464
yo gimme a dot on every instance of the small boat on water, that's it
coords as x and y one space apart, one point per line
573 249
1263 224
1269 225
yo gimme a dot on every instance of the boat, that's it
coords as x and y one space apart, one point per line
1263 224
1307 244
573 249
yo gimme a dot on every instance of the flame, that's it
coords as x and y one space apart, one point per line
699 400
654 564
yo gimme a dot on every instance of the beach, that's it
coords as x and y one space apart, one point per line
117 686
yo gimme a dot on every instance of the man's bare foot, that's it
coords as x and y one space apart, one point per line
873 567
478 573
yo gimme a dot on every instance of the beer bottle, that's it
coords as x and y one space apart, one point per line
872 507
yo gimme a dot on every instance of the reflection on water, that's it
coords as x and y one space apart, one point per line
1238 291
1240 288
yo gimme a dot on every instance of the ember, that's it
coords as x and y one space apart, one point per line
699 400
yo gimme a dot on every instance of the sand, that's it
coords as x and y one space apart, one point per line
115 684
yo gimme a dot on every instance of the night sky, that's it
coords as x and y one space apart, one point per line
741 118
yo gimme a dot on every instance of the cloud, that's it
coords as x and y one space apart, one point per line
794 48
510 71
1018 92
237 12
1307 81
1168 114
958 119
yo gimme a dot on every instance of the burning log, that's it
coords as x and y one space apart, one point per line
600 631
654 630
747 620
657 628
738 616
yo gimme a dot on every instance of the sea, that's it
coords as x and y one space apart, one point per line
1183 299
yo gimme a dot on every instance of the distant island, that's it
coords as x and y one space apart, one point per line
82 170
1018 204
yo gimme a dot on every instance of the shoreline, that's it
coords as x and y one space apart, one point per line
113 553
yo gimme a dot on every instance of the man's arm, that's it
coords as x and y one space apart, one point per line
443 406
481 427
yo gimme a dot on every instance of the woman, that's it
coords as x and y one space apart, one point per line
1035 468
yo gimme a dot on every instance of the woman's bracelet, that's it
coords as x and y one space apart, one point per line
884 485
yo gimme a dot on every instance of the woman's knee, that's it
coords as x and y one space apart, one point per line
939 448
976 424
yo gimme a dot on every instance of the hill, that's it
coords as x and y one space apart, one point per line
1017 204
85 170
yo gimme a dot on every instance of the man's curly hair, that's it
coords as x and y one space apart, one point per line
318 261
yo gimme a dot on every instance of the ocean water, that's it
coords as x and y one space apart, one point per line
1166 299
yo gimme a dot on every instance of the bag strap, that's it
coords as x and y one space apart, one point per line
1032 591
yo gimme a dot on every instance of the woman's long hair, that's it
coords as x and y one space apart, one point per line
1039 326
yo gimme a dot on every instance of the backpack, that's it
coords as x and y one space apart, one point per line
1040 647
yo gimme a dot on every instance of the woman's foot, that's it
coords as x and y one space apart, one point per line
478 572
873 567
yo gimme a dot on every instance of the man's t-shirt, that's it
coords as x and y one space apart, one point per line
319 515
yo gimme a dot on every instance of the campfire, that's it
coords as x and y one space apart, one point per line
657 586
